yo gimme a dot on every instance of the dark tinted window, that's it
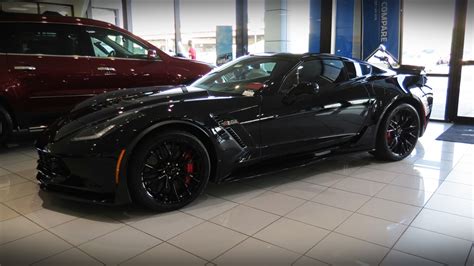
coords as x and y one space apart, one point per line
4 33
324 72
355 70
46 39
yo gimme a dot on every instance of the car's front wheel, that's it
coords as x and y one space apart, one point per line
169 170
398 133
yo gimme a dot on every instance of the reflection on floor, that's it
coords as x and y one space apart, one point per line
345 210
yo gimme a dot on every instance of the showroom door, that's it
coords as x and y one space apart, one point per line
466 88
461 84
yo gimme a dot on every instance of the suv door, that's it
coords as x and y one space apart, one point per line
316 107
120 61
49 66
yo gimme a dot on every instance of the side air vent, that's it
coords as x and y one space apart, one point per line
236 137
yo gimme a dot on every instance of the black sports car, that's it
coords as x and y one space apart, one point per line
160 146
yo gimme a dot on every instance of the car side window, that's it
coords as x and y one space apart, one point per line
47 39
357 70
324 72
109 43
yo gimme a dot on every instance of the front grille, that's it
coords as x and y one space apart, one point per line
52 165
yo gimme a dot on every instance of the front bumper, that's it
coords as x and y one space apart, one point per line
88 177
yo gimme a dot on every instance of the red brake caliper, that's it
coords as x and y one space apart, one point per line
189 168
388 136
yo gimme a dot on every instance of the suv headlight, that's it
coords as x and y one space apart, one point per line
92 133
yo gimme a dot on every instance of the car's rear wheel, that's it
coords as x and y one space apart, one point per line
6 125
398 133
169 170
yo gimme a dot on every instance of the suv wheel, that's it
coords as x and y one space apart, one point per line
6 125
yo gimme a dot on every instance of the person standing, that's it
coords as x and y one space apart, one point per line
192 51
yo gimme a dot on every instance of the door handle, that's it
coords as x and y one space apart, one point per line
108 69
27 68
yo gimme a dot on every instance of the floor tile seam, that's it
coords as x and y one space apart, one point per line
403 233
15 211
440 233
419 256
71 248
468 255
411 223
392 171
87 241
159 244
227 250
334 229
319 260
220 197
23 196
456 214
202 221
318 193
359 192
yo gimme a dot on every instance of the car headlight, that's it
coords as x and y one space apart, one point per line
93 133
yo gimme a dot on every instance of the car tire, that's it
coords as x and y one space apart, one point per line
398 133
6 125
169 170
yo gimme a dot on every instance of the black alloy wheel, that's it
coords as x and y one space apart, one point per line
6 125
169 170
398 133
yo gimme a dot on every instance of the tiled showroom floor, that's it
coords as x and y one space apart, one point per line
345 210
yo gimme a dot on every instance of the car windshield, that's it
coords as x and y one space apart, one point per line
244 76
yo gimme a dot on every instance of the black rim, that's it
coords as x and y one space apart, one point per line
173 171
402 133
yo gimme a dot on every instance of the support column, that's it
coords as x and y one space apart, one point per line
320 12
177 26
276 18
127 14
241 31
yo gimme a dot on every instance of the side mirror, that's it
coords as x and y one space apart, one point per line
152 54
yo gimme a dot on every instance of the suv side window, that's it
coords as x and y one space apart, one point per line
109 43
47 39
324 72
5 33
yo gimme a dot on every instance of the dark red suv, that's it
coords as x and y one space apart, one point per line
50 63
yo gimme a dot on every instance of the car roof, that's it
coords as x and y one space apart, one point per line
51 18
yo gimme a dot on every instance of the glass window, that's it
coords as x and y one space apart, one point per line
108 43
64 10
256 26
298 26
44 39
199 20
243 76
422 44
154 21
356 70
109 11
19 7
36 8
